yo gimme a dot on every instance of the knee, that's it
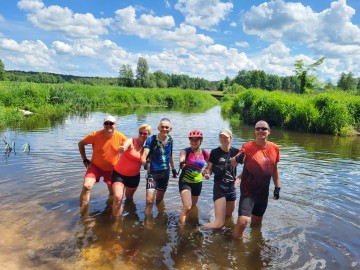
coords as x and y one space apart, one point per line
187 207
87 187
243 221
118 198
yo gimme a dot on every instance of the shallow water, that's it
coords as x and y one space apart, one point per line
314 225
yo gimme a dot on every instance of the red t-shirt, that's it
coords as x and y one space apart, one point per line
105 148
258 168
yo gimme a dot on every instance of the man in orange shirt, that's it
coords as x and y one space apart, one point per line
260 165
105 144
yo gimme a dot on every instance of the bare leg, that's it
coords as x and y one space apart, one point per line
150 198
186 204
159 195
111 192
85 192
220 212
240 226
230 207
129 193
256 221
118 197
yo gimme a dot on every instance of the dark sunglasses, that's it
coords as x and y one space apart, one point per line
194 139
143 133
109 123
261 128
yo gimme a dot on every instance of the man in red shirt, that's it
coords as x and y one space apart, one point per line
260 165
105 144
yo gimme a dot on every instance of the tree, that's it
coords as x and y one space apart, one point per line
126 76
347 82
2 71
307 83
142 72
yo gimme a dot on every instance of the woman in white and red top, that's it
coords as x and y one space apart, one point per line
126 174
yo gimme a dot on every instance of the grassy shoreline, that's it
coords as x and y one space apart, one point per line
55 100
336 113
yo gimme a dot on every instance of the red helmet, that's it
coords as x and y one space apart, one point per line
195 134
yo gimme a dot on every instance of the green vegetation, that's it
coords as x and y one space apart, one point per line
335 113
56 100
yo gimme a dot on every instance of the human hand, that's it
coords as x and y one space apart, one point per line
174 173
182 164
276 193
121 149
87 163
206 174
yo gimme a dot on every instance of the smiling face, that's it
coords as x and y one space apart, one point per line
164 128
262 130
109 127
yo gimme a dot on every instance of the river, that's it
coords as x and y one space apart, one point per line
314 225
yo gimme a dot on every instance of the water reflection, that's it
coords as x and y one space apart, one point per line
314 225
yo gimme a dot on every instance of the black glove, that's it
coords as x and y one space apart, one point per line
146 164
276 193
182 163
174 173
86 162
240 158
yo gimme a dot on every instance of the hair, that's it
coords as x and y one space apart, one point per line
263 122
147 127
165 119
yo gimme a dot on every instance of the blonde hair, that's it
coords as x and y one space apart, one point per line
147 127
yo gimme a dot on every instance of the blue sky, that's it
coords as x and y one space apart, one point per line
210 39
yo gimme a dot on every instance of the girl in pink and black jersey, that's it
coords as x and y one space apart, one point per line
192 161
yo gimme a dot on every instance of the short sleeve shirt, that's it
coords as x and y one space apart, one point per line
218 157
160 154
194 165
105 148
258 168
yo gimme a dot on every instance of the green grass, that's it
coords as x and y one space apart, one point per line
60 99
335 113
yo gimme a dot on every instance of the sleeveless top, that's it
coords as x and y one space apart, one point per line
129 161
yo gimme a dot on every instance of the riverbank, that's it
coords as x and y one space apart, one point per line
336 113
55 100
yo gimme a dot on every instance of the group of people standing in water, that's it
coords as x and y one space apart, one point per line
119 161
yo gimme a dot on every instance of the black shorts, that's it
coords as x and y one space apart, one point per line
157 180
250 206
128 181
226 190
195 188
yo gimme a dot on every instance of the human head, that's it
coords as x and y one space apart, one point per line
145 128
227 132
225 137
164 126
109 124
110 118
195 137
262 129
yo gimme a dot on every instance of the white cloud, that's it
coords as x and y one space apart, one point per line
2 19
204 13
151 27
243 44
233 24
33 54
63 20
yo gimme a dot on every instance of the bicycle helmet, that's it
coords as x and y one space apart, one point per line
195 134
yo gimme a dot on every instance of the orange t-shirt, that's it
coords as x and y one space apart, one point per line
129 161
258 168
105 148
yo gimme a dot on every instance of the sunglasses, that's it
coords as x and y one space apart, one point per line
109 123
194 140
143 133
261 128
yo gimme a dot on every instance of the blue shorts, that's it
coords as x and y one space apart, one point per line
157 180
195 188
128 181
226 190
251 206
